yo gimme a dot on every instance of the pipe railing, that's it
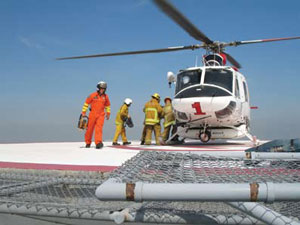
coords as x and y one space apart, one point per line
126 215
251 155
231 193
225 192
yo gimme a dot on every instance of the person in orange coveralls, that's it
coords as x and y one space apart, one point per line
99 104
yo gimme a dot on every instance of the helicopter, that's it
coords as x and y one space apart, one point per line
211 101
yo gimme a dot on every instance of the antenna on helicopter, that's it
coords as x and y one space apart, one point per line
196 61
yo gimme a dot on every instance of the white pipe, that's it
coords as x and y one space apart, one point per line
233 154
249 155
266 192
117 217
113 189
262 213
275 155
190 192
126 216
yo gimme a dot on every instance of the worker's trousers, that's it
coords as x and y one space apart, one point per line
149 128
120 130
95 123
166 133
143 134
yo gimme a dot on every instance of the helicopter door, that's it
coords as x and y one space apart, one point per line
237 94
245 102
237 89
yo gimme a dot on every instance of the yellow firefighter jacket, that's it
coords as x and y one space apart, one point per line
169 118
122 115
153 112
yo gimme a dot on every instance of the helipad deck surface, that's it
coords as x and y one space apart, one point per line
73 155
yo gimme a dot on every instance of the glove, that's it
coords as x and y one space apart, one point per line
107 116
83 113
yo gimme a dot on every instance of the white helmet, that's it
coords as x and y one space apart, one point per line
128 101
102 84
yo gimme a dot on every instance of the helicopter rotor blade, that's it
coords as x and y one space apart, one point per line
182 21
169 49
232 60
236 43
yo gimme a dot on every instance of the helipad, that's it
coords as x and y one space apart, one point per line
74 156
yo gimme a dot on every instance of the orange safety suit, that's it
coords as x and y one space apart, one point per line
98 105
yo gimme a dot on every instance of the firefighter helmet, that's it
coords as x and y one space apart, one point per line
128 101
167 98
156 96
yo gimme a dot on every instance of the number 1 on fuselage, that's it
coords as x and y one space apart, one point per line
198 109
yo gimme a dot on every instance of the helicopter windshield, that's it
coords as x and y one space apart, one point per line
188 78
219 77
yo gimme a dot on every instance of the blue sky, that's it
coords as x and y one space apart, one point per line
41 98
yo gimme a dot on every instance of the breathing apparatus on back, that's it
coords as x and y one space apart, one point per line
83 122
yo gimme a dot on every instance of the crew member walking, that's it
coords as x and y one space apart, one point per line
153 113
121 117
99 108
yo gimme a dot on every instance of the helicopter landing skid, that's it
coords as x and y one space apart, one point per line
184 130
252 138
170 141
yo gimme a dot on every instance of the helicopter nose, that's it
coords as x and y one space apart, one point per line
227 111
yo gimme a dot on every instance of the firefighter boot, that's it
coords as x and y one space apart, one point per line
99 145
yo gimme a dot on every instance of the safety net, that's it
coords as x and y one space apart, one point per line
70 194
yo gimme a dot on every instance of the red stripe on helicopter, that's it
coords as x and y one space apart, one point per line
224 58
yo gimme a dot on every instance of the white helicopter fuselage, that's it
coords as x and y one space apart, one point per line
212 100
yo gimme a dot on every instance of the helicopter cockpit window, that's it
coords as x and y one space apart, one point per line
188 78
219 77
